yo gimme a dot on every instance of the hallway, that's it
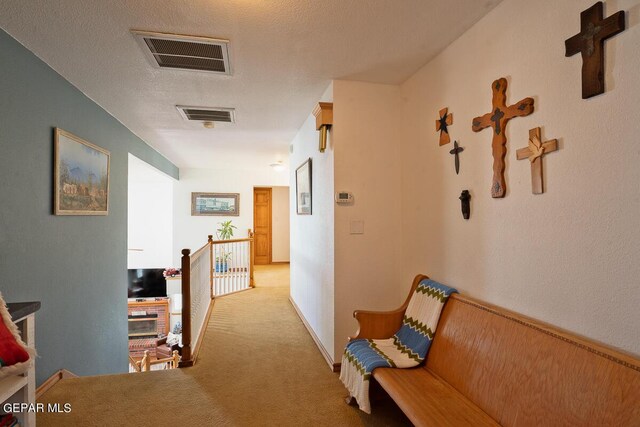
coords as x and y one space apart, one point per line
257 366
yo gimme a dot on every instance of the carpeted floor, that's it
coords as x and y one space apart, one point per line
258 366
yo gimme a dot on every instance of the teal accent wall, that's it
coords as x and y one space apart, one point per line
75 265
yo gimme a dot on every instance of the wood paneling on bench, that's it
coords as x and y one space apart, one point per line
524 372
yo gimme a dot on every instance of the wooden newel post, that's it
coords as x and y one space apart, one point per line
146 362
252 254
186 309
211 265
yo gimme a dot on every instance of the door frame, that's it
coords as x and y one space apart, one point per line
270 218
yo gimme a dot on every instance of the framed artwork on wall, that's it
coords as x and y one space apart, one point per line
303 188
81 176
215 204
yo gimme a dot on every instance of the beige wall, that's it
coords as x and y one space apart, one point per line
280 224
569 256
312 243
367 163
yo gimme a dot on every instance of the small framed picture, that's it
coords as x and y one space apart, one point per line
303 188
81 176
215 204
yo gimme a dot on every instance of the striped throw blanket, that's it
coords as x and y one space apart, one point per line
407 348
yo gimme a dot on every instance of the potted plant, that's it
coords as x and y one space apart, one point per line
222 262
225 232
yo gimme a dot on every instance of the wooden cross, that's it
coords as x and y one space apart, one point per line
534 153
441 125
594 30
456 151
498 119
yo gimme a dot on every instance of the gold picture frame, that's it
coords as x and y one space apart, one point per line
81 176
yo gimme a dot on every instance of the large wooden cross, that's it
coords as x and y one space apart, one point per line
534 153
498 119
594 30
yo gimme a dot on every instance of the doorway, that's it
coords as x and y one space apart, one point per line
271 224
262 225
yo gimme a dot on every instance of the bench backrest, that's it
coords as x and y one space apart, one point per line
523 372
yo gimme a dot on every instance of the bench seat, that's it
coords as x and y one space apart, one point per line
429 401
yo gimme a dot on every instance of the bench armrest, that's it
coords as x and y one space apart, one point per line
383 324
377 324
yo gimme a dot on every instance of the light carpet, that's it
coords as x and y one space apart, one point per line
258 366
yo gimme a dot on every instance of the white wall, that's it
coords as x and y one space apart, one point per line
367 163
312 242
280 235
568 256
334 272
191 231
150 216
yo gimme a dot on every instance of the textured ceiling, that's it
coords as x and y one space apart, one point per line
283 55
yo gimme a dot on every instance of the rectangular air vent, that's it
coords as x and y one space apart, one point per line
185 52
207 114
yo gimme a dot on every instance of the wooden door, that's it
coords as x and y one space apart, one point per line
262 225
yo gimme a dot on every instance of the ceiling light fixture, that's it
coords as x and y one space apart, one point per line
208 125
278 166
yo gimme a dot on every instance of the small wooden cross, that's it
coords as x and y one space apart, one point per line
594 30
498 119
441 125
534 153
456 151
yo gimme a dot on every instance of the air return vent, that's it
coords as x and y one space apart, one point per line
207 114
185 52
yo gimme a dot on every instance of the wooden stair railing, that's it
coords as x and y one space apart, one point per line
145 364
228 268
233 269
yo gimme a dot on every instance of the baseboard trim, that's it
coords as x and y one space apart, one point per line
62 374
323 351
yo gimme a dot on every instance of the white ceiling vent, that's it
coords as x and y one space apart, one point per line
207 114
185 52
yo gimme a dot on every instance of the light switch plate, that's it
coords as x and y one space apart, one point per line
356 227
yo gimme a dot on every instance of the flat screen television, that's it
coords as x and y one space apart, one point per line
147 283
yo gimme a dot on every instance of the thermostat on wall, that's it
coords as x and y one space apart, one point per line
344 197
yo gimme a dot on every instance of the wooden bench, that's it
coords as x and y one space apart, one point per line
490 366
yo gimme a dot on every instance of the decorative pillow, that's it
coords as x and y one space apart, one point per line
15 356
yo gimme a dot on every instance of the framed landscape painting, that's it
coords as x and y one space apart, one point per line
215 204
303 188
81 176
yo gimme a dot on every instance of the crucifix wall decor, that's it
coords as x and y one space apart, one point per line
465 197
497 119
534 153
441 125
456 150
594 30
